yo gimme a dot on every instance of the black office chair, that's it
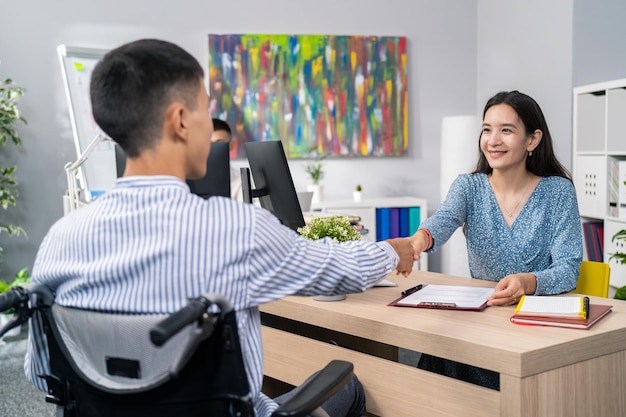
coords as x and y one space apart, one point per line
185 364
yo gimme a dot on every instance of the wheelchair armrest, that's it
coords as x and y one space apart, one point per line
322 386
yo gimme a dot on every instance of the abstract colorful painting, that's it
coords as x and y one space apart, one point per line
320 95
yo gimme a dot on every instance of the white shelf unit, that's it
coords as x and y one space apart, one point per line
366 210
599 142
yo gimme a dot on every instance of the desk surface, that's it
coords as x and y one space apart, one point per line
486 339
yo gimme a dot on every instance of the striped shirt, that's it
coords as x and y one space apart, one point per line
149 245
545 239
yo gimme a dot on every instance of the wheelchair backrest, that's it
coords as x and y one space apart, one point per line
114 353
105 364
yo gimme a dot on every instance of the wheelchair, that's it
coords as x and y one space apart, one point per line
188 363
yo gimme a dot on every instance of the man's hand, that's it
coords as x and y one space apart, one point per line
404 248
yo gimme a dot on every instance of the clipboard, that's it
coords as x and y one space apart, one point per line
447 297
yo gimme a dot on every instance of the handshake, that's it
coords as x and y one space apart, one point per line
409 249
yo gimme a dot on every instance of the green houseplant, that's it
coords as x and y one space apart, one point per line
10 118
620 257
315 169
339 229
21 278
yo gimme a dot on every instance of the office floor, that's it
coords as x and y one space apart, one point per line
17 396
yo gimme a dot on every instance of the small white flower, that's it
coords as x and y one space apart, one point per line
338 228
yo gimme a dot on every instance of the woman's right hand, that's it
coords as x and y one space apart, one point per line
420 241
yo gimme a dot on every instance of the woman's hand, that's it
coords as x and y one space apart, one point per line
420 241
511 288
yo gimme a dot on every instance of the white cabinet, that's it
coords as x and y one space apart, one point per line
367 211
599 151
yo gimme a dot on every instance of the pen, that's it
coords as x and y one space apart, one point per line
412 289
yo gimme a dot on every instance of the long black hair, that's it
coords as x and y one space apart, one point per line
543 162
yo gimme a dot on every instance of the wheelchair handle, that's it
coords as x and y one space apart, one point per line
18 298
12 298
178 320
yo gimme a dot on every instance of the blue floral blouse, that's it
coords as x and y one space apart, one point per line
545 239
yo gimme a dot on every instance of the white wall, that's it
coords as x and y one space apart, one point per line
461 52
527 46
599 41
442 81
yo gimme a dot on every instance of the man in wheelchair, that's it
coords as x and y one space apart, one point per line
148 245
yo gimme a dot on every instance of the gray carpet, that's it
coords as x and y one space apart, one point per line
17 396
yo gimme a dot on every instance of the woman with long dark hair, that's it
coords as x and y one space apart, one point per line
518 210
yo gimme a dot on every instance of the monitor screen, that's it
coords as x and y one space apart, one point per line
120 160
273 183
216 182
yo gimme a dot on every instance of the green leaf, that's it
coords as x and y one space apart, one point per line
10 118
620 294
315 169
619 256
621 235
21 278
337 228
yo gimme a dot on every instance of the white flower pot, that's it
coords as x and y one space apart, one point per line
317 190
357 196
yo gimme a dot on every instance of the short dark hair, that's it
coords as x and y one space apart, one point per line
219 124
543 162
132 86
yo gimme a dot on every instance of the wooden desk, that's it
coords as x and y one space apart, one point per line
544 371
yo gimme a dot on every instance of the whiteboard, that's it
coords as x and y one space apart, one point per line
98 173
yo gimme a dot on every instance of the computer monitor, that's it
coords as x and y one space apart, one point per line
120 160
216 182
273 182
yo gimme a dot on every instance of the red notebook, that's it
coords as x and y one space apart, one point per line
596 312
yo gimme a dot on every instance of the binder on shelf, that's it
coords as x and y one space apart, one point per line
404 222
600 241
621 189
414 219
383 224
394 222
613 209
594 240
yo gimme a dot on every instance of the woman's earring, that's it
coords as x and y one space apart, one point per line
530 153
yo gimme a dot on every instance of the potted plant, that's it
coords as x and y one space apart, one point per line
357 194
10 118
620 294
337 228
21 278
315 169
